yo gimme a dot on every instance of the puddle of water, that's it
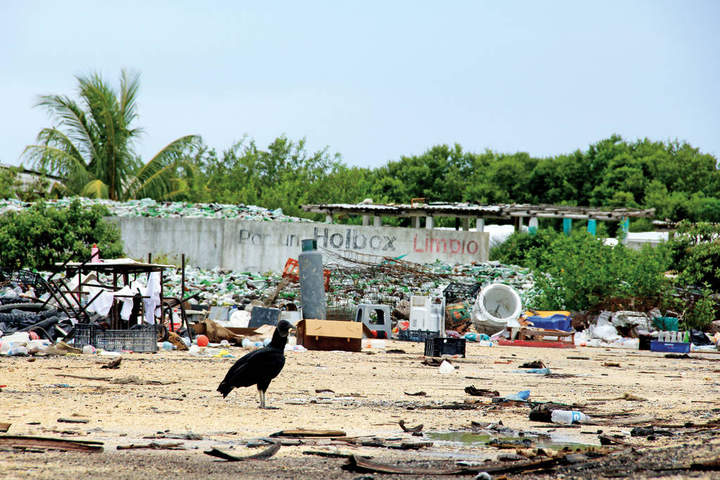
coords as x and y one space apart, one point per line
472 438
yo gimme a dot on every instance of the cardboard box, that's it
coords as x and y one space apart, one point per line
316 334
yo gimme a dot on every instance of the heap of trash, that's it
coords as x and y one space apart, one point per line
151 208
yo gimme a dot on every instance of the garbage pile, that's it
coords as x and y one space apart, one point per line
349 285
645 331
150 208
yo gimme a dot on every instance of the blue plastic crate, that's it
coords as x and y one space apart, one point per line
674 347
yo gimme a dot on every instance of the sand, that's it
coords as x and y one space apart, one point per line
363 394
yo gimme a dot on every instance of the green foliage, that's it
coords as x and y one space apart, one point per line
523 248
43 235
285 175
578 271
696 254
701 313
93 144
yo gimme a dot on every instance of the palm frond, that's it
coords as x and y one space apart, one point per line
129 86
95 189
153 179
74 119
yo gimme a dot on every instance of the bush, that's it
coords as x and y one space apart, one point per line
577 272
701 313
696 254
43 235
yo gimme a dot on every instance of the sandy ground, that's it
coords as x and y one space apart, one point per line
363 394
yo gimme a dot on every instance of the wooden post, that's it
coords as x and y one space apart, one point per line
480 224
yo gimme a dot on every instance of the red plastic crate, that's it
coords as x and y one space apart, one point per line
291 271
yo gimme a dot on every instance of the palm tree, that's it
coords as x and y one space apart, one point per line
92 145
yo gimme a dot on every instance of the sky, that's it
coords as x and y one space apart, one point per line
375 80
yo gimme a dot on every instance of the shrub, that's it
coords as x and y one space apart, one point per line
577 272
696 254
42 235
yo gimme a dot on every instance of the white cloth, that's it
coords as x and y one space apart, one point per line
152 291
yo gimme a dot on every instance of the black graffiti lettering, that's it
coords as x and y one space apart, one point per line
389 245
362 243
336 240
318 236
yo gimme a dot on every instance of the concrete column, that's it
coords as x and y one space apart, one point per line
366 220
567 225
377 221
521 222
328 218
480 224
429 223
466 224
533 225
416 222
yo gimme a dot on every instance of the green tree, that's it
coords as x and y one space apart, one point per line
92 145
42 235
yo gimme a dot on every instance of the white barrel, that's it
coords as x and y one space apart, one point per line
496 305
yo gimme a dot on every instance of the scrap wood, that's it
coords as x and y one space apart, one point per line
454 406
625 396
481 392
20 441
712 464
131 380
415 429
4 427
216 333
302 432
267 453
112 364
175 339
533 364
416 394
363 465
329 454
73 420
153 446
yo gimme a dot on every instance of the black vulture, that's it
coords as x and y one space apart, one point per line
259 367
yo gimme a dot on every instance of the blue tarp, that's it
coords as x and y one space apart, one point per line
553 322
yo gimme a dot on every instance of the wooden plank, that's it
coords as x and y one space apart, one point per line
21 441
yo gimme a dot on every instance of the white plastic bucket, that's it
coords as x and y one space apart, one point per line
496 305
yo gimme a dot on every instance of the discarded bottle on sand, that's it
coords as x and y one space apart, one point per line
568 417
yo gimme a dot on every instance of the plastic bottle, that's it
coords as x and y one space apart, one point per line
312 281
94 254
568 417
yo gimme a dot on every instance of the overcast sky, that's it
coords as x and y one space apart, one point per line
376 80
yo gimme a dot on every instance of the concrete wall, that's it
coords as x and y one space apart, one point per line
265 246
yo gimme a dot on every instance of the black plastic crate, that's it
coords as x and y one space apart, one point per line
437 347
416 335
460 292
136 340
